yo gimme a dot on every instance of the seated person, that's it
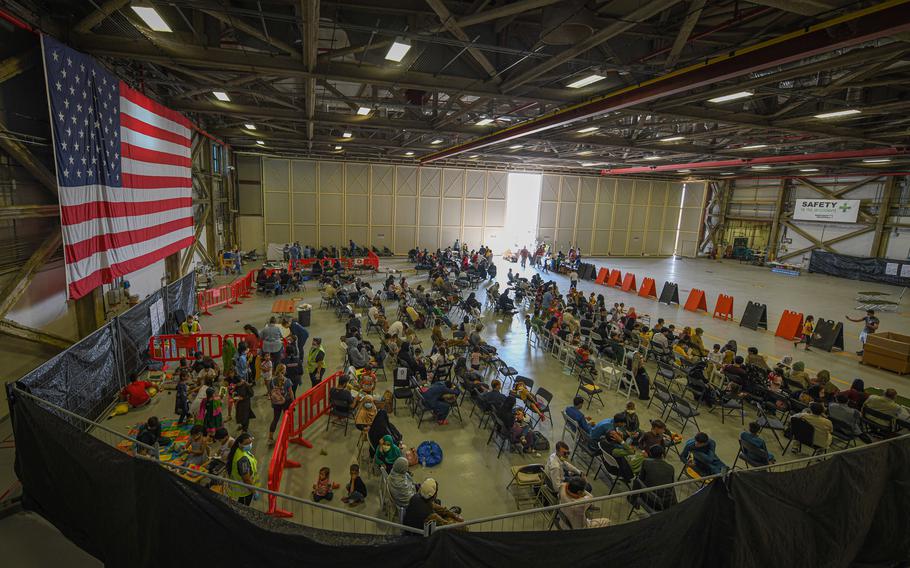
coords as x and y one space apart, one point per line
752 437
575 413
815 416
656 471
886 404
341 393
150 435
656 436
520 432
707 462
573 491
136 392
424 508
505 303
522 392
856 394
439 397
822 389
600 430
756 360
798 375
850 417
493 399
559 469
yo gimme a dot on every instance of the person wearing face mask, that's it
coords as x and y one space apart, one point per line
559 469
366 413
242 467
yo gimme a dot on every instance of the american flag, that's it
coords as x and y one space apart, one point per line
123 170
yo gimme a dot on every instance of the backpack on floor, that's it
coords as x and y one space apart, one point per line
541 444
429 453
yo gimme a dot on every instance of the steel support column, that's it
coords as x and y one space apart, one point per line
880 241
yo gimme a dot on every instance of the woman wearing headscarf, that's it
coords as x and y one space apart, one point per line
799 375
381 427
401 484
387 452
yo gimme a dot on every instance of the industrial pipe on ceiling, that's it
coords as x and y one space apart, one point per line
886 18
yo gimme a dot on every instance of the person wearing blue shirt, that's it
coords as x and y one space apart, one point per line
706 462
576 415
298 331
753 438
600 429
241 365
433 397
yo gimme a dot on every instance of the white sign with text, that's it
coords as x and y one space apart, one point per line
834 210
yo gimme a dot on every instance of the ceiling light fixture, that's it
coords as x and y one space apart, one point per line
585 81
586 153
752 147
339 147
249 126
728 173
472 156
221 96
515 147
761 167
437 141
409 153
589 129
876 160
731 97
398 49
152 18
651 158
260 142
671 139
807 170
683 171
592 164
838 113
484 121
363 111
347 135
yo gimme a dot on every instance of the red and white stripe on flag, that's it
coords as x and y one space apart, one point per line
111 230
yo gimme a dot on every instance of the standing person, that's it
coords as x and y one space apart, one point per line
271 340
870 325
808 328
293 364
241 364
182 402
190 326
280 397
211 411
298 331
243 409
573 279
242 467
315 362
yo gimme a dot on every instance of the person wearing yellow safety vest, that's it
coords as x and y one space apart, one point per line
190 326
242 467
315 361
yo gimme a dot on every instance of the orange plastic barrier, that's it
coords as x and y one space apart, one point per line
790 325
213 297
724 307
628 282
696 301
176 347
615 278
602 276
300 415
648 289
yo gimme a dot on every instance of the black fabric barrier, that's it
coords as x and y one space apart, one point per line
857 268
850 510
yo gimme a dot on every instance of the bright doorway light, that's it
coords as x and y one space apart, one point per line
682 199
522 207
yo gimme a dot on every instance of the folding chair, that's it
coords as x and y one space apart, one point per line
590 389
803 433
583 448
627 383
340 414
571 428
770 422
732 405
504 436
608 372
402 389
547 396
843 433
527 480
421 408
751 454
609 465
879 424
660 392
651 502
684 411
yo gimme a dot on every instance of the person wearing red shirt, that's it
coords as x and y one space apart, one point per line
135 393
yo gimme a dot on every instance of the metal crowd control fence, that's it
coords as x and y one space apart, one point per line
371 261
618 507
176 347
214 297
305 512
299 416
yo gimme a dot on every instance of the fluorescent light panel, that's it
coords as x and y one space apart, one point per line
838 113
260 142
363 111
152 18
808 170
347 135
876 160
221 96
731 97
753 147
339 147
409 153
585 153
484 121
249 126
761 167
683 171
652 158
515 147
588 129
671 139
398 50
437 141
585 81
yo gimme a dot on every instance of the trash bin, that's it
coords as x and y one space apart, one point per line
303 315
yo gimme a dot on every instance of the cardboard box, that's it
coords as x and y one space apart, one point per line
888 350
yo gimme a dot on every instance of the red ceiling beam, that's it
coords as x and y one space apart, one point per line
739 162
886 18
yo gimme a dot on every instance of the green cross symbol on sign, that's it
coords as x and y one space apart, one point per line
845 207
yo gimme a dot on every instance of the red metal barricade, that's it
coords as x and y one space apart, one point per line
252 342
371 261
301 414
220 296
176 347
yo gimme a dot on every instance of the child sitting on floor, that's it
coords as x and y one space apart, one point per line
356 489
323 487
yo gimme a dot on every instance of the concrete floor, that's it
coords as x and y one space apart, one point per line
470 475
